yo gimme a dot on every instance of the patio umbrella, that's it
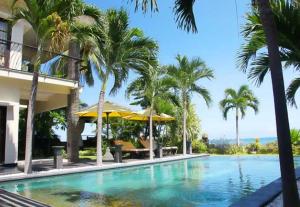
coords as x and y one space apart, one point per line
144 115
110 109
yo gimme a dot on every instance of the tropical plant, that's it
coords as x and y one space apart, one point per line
44 134
184 78
120 49
255 60
51 31
295 136
239 101
150 88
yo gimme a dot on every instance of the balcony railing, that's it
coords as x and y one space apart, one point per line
16 56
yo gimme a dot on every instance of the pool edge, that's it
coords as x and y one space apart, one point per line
59 172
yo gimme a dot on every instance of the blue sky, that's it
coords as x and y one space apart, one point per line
217 43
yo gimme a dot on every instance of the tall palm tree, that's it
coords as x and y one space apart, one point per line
288 177
81 45
239 101
186 20
252 56
120 49
185 77
149 89
48 26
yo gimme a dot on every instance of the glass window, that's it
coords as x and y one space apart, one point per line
3 41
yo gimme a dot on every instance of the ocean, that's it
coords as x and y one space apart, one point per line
244 141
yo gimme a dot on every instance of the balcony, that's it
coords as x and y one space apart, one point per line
19 58
16 67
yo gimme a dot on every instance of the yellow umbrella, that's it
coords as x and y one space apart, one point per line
110 109
145 114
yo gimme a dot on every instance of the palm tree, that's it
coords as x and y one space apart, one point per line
47 25
120 49
81 45
289 186
184 77
238 101
148 90
252 56
186 20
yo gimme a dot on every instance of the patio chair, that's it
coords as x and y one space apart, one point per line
167 150
127 147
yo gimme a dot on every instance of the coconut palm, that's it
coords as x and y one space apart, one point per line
185 18
185 77
239 101
252 57
82 46
148 90
50 31
120 49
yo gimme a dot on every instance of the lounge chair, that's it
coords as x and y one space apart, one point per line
167 150
127 147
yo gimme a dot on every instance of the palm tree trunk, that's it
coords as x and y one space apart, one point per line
151 132
73 131
184 126
289 186
30 123
237 126
99 126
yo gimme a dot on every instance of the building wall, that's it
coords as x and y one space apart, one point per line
10 98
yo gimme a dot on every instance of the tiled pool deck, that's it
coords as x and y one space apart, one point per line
45 169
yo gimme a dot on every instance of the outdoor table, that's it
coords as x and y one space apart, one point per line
58 158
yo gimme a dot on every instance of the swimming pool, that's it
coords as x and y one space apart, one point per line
207 181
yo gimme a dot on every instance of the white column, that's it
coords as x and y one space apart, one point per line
17 33
10 97
11 141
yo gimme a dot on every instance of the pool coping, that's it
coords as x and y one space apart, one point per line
58 172
265 195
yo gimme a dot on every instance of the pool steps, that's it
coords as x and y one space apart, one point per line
8 199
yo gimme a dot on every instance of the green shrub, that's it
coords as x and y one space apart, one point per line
199 146
270 148
88 152
235 149
253 147
296 149
218 149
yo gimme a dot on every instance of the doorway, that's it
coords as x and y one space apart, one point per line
2 133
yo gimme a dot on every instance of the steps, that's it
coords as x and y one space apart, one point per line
8 199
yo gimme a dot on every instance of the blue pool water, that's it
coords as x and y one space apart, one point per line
210 181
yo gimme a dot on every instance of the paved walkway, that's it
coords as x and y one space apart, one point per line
46 169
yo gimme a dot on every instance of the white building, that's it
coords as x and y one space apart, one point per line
15 82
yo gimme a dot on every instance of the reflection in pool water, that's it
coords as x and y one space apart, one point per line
211 181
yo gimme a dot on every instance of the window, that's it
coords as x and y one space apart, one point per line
3 42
